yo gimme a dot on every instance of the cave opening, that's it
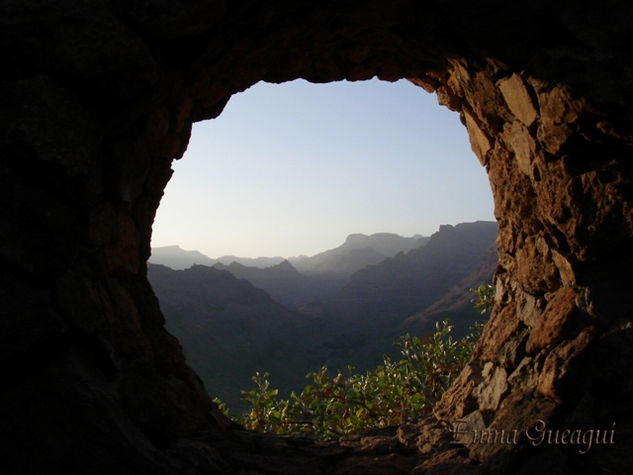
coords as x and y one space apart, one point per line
310 192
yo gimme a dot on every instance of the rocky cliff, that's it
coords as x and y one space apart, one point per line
98 98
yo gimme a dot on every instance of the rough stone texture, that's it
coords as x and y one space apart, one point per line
98 98
490 391
518 99
554 321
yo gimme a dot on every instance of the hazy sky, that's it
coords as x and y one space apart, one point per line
294 168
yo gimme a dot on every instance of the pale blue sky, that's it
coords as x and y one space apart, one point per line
294 168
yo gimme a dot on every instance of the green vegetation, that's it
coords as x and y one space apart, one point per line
348 404
484 298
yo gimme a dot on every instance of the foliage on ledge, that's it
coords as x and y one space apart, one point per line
348 404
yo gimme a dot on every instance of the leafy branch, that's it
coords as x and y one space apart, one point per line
348 403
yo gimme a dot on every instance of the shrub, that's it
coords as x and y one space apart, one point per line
348 404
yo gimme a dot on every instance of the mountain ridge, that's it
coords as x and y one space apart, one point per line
177 258
364 249
357 251
221 314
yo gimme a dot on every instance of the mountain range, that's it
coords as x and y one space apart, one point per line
358 251
234 319
177 258
409 293
412 281
299 282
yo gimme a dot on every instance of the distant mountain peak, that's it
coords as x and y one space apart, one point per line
359 238
178 258
358 251
355 238
285 264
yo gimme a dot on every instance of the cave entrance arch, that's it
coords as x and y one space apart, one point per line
99 100
331 160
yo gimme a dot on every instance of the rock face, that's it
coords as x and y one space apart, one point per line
97 100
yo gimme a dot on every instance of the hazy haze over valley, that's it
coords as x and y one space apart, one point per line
347 305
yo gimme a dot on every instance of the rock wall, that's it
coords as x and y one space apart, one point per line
98 98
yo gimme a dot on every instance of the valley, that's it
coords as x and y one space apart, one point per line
343 306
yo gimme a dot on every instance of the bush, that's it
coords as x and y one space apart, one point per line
349 404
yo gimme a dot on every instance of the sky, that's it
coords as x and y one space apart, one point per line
293 168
